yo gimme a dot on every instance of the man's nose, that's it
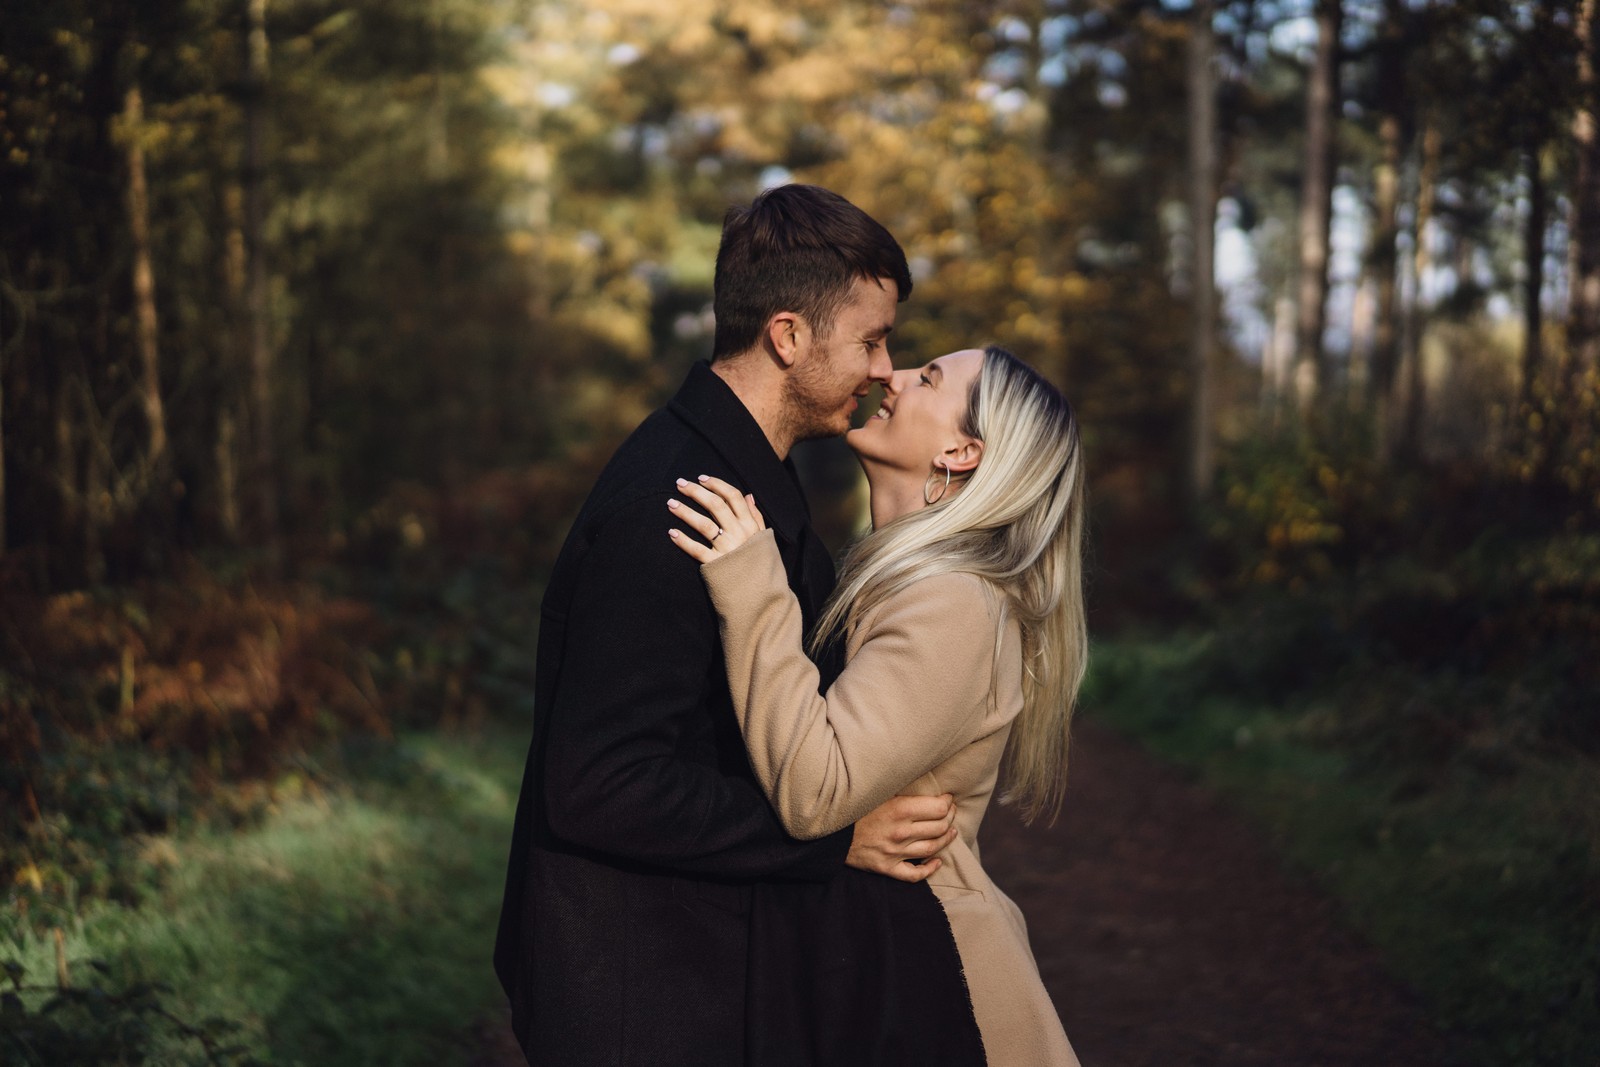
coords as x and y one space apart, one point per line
881 368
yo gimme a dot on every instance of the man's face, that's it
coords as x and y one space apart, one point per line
832 372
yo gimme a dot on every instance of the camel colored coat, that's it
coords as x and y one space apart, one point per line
924 706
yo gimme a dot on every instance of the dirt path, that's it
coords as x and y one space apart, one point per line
1169 936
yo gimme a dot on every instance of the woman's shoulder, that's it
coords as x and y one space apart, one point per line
947 601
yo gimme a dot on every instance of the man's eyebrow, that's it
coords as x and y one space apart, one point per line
882 331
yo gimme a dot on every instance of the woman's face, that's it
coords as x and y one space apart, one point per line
920 420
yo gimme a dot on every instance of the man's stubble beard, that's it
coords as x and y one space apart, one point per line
808 412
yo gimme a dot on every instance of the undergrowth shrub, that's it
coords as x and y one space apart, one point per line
94 1024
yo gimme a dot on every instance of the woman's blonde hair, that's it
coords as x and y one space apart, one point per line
1017 523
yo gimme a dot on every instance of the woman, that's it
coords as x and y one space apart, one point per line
962 614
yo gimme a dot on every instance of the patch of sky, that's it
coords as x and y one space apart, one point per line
1296 37
556 95
1055 32
1005 68
1013 30
1053 71
1347 238
1238 279
773 176
1009 102
622 54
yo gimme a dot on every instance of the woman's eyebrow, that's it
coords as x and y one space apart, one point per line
935 368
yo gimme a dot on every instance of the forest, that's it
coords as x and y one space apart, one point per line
319 317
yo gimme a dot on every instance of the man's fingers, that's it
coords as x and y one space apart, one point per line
914 872
923 809
923 831
931 845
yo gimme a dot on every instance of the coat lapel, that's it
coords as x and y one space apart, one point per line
714 411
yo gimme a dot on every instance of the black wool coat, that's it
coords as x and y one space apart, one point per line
656 912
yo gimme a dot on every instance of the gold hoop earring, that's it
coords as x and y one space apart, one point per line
927 491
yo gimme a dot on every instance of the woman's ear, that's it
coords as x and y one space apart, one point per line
963 457
782 337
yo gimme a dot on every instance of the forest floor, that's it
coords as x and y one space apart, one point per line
1169 933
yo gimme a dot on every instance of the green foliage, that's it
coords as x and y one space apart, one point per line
89 1026
1467 852
350 925
1291 508
99 805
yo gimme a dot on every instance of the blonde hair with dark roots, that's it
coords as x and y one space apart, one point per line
1017 523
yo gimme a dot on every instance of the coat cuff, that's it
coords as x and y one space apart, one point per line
749 571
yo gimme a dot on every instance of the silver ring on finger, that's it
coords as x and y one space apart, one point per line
717 534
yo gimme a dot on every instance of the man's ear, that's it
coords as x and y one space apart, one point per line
963 457
784 336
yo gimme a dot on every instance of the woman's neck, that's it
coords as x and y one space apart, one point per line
892 493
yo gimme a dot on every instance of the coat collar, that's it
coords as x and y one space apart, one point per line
708 405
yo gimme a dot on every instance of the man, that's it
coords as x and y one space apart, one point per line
641 832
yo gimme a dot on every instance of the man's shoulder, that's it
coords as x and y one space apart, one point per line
644 468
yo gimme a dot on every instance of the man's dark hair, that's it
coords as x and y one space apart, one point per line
796 248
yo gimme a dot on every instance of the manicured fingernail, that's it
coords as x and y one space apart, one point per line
672 504
704 477
682 481
673 534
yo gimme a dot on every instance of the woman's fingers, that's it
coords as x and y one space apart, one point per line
711 501
691 518
729 520
735 500
700 553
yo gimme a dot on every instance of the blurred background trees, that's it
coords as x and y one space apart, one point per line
301 282
264 260
357 294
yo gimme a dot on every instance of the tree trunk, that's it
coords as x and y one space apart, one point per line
2 430
1533 256
1384 257
1278 359
1384 265
262 466
226 451
1416 379
146 325
1202 225
1316 204
1583 319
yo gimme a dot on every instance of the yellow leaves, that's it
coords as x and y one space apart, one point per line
29 877
1074 287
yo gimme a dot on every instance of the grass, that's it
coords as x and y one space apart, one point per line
351 926
1478 880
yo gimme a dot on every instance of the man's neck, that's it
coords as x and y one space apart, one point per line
762 395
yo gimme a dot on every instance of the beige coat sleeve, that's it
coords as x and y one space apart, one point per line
915 692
